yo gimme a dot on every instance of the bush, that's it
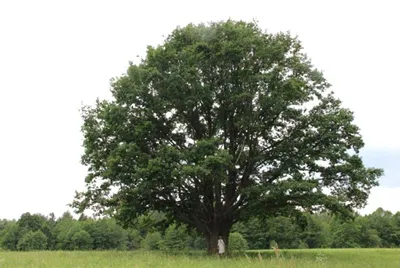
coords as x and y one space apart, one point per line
189 242
273 244
134 239
175 238
200 243
81 240
10 237
303 245
32 241
152 241
71 236
237 242
106 234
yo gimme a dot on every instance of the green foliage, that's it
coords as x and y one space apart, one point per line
32 240
369 237
383 222
346 235
10 236
33 222
81 240
134 239
152 241
237 242
199 243
66 227
316 233
273 244
106 234
358 233
303 245
223 118
150 222
320 230
254 231
284 231
175 238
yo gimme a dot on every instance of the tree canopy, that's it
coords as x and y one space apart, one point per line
219 123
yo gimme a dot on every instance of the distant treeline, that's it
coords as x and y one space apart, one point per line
155 232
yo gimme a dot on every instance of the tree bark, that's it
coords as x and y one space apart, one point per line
220 229
212 243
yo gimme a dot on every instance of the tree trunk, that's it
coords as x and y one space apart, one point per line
212 243
212 237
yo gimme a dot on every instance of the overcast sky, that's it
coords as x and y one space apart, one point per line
56 54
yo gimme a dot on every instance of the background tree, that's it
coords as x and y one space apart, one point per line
48 230
254 231
219 123
199 243
81 240
284 231
32 240
32 222
64 229
383 222
175 238
369 237
346 235
396 223
152 241
10 236
106 234
315 234
319 230
134 239
150 222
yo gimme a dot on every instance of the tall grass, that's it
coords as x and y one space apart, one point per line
288 258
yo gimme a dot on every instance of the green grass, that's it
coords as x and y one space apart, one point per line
354 258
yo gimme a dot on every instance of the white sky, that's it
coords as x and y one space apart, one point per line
56 54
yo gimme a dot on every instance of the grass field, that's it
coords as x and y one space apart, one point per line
384 258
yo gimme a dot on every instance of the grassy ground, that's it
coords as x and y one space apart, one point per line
292 258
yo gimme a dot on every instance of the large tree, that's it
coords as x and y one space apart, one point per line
220 122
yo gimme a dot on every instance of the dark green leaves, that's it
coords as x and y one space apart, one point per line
223 121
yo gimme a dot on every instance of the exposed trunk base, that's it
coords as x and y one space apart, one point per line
212 243
212 240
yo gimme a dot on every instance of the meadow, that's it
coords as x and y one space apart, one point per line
118 259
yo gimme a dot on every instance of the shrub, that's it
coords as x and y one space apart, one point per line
81 240
33 241
303 245
237 242
152 241
106 234
10 237
175 238
273 244
134 239
199 243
